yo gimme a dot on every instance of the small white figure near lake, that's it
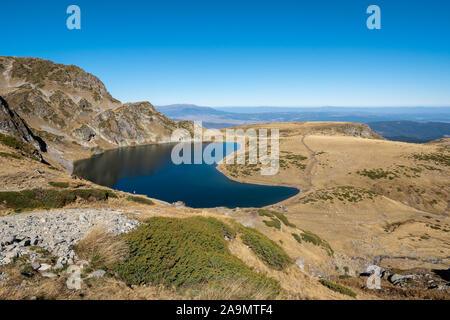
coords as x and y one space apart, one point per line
257 141
74 20
374 20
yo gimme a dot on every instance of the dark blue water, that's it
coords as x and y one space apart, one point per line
149 170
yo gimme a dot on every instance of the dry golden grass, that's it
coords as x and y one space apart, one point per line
393 224
101 248
358 228
231 290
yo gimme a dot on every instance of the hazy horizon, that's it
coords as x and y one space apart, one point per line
297 106
252 53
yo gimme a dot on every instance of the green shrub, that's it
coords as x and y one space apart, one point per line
267 250
265 213
10 155
341 193
12 142
141 200
48 198
273 223
437 158
378 174
297 237
283 218
279 215
337 288
185 252
62 185
16 144
316 240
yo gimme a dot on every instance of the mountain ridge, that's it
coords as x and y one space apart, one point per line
74 112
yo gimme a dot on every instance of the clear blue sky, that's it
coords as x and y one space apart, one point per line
245 53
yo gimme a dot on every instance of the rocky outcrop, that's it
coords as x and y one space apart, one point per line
13 125
347 129
67 102
85 133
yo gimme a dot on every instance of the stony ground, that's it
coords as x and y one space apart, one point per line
56 231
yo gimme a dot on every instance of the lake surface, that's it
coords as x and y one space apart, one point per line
149 170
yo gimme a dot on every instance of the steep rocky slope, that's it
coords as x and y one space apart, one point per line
12 125
72 111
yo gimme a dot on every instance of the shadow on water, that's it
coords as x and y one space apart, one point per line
149 170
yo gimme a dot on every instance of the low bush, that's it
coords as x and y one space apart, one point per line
62 185
378 174
12 142
188 252
297 237
337 288
16 144
48 198
273 223
437 158
267 250
10 155
141 200
316 240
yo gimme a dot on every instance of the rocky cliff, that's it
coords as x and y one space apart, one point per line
72 111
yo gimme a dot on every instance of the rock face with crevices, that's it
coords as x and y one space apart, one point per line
72 111
56 231
13 125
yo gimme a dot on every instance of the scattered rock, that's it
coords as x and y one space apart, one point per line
35 265
3 277
74 270
300 262
74 283
82 264
44 267
56 231
97 274
401 280
49 275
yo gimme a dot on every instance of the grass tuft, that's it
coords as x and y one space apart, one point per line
141 200
62 185
102 249
337 288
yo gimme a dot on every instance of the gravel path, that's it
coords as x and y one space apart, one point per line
57 231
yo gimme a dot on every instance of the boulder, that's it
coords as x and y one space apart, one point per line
97 274
44 267
35 265
401 280
48 275
74 283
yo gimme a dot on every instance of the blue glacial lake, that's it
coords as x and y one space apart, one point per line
149 170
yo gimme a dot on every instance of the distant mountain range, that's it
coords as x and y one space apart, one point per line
410 131
409 124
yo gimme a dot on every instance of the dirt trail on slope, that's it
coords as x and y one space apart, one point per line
310 166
